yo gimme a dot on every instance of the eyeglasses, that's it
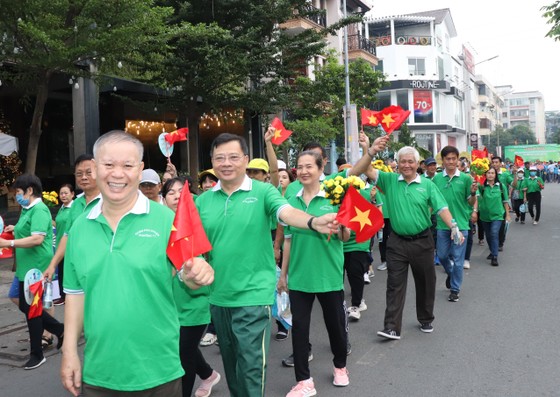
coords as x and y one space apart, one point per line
80 175
233 158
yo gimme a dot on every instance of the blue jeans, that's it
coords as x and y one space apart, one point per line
447 250
492 231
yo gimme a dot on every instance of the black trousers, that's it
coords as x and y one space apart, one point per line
334 315
534 200
383 244
480 229
60 273
192 360
356 264
169 389
516 204
419 254
38 324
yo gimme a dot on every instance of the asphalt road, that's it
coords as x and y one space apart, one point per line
500 339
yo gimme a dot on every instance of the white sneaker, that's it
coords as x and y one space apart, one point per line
383 266
371 273
363 306
208 339
466 264
366 279
354 313
535 223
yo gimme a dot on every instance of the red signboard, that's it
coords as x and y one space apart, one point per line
422 106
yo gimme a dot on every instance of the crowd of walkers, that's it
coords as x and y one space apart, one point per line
119 289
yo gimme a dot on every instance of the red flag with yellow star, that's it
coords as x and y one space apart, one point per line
518 161
177 136
188 238
280 132
479 154
392 118
370 117
360 215
36 307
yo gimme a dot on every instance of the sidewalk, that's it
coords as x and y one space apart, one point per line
14 344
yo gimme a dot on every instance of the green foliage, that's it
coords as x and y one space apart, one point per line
317 129
518 135
552 13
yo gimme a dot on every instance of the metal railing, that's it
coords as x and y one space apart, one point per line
315 15
359 42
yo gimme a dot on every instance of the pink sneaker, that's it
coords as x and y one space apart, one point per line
341 377
304 388
205 388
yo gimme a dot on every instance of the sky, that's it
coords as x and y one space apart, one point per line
513 30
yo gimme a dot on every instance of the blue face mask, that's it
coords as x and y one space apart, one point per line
532 173
22 201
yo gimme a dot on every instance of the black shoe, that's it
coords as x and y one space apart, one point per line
389 334
281 335
494 261
517 219
448 282
427 328
60 341
34 362
489 257
501 248
453 297
289 361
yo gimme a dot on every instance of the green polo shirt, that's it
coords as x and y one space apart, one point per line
456 191
491 201
520 188
409 203
381 200
130 318
34 219
316 264
532 184
79 206
505 178
193 306
62 221
238 226
351 245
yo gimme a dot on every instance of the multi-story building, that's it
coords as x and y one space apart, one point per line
524 108
552 124
488 109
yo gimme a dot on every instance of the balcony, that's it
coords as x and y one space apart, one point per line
360 47
403 39
313 18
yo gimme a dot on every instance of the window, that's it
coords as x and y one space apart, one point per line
416 66
402 99
383 100
379 66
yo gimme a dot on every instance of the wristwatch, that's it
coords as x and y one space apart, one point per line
12 243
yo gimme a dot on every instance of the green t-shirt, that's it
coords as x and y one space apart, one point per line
192 304
456 191
409 203
238 227
131 325
63 220
491 201
532 184
316 264
381 200
78 208
351 245
505 178
35 219
518 192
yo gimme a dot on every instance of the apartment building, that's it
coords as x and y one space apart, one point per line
524 108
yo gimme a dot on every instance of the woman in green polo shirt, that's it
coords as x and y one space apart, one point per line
493 202
63 218
194 314
313 267
33 246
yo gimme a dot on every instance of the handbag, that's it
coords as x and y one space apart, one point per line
523 208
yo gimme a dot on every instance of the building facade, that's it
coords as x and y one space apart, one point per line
524 108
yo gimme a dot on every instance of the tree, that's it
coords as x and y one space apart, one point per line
552 13
518 135
90 38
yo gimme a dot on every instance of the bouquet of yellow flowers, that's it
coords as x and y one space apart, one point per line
380 165
50 198
336 188
480 166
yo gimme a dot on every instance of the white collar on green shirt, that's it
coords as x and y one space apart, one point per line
246 185
141 206
321 193
415 180
69 204
457 172
32 204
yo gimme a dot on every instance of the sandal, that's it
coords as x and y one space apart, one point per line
46 342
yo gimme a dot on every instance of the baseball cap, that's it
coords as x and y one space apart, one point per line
430 160
258 164
532 168
150 176
207 172
282 165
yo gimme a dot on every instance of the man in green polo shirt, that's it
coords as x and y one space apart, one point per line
409 198
459 190
236 216
85 180
506 179
119 285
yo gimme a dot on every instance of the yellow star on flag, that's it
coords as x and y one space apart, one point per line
277 133
388 120
35 300
372 120
362 217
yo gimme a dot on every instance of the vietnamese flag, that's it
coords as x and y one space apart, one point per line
480 179
518 161
36 307
177 136
188 238
358 214
392 118
370 117
280 132
479 154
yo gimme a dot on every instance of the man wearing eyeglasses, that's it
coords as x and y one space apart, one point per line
459 190
236 217
85 180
